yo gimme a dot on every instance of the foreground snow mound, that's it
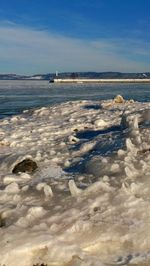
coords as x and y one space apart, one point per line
80 194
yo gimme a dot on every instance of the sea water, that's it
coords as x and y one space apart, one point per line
80 196
16 96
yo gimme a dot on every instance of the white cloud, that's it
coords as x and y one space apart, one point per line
25 50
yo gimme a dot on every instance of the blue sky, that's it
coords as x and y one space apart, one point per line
42 36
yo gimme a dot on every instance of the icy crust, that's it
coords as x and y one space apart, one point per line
87 203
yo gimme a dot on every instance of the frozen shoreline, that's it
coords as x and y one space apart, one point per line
86 201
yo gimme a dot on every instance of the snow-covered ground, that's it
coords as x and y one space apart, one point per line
85 197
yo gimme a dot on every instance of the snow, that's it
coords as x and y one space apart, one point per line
87 203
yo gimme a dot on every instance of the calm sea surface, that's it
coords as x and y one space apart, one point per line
16 96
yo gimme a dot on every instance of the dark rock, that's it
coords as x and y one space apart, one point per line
40 264
2 222
143 151
26 166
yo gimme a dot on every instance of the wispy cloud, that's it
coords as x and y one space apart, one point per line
26 50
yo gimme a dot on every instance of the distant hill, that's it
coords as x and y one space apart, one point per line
25 77
98 75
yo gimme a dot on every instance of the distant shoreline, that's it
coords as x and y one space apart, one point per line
82 80
83 75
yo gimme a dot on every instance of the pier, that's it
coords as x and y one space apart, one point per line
82 80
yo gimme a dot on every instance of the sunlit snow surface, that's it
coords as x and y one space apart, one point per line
88 202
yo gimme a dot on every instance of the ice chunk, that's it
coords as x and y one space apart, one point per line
131 172
130 146
16 178
40 186
135 122
101 123
121 153
12 188
74 190
73 139
115 168
119 99
36 211
48 191
86 147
